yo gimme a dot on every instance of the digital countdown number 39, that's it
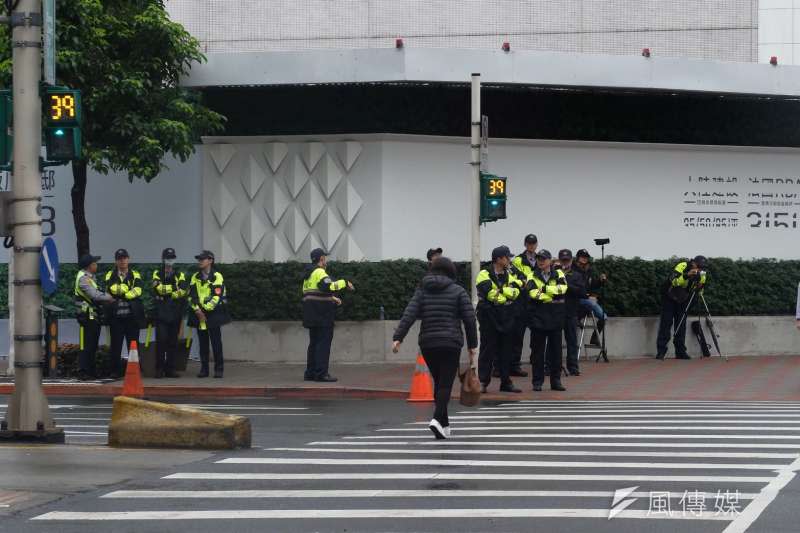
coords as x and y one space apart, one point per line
62 106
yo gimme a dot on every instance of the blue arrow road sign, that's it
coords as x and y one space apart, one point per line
48 266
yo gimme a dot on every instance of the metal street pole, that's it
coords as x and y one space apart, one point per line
28 415
475 178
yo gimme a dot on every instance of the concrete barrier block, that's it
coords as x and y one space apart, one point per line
144 424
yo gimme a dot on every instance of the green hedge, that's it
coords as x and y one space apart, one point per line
271 291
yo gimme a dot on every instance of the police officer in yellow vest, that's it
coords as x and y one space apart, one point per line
127 310
89 299
169 296
685 278
522 266
498 289
208 300
547 287
319 310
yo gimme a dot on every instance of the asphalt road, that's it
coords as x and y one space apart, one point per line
358 465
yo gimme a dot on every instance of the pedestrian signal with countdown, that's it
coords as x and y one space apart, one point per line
62 109
493 197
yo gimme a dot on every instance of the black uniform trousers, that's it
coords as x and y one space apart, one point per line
318 355
671 314
91 337
443 365
551 338
215 336
571 338
123 330
494 347
518 339
166 346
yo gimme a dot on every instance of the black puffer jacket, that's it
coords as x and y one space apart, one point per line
442 306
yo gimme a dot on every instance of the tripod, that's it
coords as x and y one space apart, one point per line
706 314
600 301
710 326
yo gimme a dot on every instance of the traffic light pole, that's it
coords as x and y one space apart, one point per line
28 414
475 185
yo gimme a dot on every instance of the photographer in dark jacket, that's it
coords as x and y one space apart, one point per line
576 290
593 283
443 306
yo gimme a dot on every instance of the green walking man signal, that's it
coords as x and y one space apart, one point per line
493 197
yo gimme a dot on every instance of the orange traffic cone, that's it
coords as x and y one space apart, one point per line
133 376
421 383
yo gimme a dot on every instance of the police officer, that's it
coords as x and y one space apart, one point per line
684 279
208 300
319 310
576 290
498 290
547 287
522 266
88 299
127 310
169 295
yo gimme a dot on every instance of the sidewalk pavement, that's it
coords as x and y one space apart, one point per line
741 378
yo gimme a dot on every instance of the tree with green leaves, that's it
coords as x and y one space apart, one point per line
127 57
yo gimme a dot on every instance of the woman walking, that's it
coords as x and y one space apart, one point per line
443 306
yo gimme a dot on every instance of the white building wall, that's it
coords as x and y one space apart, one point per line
653 201
142 217
779 31
709 29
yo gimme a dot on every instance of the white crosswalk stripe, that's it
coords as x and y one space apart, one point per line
720 463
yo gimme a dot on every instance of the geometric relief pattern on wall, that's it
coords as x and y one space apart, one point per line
221 154
311 202
297 196
276 250
228 255
348 152
349 202
348 250
296 176
328 175
296 228
312 242
276 203
253 229
329 228
253 177
312 153
274 153
222 203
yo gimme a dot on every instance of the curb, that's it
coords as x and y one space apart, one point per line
161 391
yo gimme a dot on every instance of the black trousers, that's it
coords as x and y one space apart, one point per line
671 314
571 338
123 330
494 347
518 339
91 337
443 365
318 355
166 346
553 340
215 336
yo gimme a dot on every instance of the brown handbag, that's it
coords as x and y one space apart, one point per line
470 387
